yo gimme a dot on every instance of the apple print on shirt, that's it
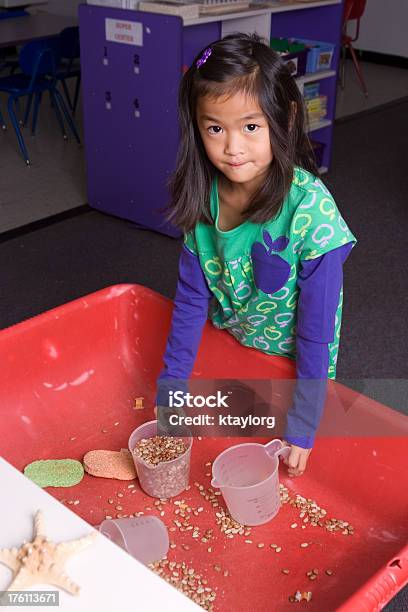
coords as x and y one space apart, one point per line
270 271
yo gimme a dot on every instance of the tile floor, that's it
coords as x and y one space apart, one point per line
56 180
384 84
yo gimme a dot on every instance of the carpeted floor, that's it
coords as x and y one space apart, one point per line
62 261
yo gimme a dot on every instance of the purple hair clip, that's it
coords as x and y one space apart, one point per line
204 57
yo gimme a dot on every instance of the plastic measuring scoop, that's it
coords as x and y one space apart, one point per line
166 479
247 475
144 537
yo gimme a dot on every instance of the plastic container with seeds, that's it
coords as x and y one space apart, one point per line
166 478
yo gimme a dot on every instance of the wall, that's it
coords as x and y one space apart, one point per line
383 27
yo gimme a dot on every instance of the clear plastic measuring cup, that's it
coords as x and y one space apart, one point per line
144 537
166 479
247 475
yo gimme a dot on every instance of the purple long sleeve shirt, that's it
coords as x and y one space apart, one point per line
319 281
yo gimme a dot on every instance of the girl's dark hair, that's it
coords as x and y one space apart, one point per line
238 63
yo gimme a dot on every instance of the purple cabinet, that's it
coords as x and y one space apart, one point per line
130 111
131 64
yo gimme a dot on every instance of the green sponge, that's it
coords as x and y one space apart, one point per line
55 472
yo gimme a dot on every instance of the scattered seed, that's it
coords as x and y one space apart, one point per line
260 545
285 571
311 513
329 572
278 549
209 549
119 507
248 541
293 525
304 544
110 501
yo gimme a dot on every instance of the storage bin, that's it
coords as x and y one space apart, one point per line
69 379
293 54
320 56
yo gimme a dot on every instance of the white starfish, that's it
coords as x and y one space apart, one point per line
42 561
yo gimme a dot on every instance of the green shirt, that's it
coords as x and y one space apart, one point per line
254 288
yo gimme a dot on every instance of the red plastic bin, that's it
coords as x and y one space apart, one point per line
69 379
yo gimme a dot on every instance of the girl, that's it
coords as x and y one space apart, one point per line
264 243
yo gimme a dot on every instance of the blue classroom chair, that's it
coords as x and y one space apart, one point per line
5 62
38 61
70 66
12 14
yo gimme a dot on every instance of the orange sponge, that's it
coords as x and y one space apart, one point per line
110 464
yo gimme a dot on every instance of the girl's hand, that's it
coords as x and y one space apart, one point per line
297 459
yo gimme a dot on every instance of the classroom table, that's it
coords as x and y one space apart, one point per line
24 29
106 574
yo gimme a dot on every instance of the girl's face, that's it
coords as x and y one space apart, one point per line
235 134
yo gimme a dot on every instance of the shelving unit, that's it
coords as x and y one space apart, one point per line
132 62
319 126
316 76
267 8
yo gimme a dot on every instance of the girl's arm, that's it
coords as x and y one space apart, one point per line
320 282
189 316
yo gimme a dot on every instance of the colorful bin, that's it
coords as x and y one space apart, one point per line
320 56
69 380
293 54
